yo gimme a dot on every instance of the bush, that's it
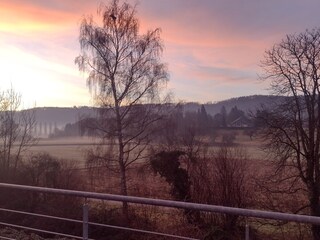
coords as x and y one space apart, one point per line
44 170
228 138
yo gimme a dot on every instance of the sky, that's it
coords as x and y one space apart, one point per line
213 48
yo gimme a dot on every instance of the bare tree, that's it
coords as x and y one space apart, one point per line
125 74
15 131
222 177
293 126
231 174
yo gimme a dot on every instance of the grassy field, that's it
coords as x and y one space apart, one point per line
75 148
71 148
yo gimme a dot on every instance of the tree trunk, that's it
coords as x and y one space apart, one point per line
122 167
316 232
315 211
123 188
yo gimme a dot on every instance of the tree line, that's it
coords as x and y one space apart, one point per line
203 122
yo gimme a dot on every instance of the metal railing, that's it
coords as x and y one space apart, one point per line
146 201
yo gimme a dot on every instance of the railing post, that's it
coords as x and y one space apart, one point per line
85 219
247 231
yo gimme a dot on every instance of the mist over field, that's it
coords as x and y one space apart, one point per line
71 145
49 118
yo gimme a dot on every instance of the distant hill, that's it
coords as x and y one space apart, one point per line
246 104
48 118
62 115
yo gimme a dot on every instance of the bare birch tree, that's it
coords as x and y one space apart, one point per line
125 73
16 128
293 126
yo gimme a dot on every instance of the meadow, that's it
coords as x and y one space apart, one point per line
75 148
69 148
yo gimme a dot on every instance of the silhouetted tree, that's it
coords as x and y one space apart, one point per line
15 132
259 120
293 126
168 166
203 121
203 114
126 74
223 112
171 129
217 120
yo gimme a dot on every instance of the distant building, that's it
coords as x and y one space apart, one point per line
241 122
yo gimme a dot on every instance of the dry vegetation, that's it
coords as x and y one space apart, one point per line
249 162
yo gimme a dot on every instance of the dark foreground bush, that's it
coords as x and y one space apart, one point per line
45 171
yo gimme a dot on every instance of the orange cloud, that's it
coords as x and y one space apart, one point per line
210 46
27 18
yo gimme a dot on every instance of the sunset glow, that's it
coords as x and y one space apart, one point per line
212 48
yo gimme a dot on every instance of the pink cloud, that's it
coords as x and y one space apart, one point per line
210 46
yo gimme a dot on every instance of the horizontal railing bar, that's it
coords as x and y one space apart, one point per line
40 230
142 231
173 204
95 224
41 215
6 238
